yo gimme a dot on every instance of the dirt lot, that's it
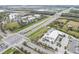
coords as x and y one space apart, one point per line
62 20
74 24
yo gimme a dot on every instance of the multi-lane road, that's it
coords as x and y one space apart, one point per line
33 29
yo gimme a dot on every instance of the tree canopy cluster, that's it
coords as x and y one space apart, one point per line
70 15
3 16
74 11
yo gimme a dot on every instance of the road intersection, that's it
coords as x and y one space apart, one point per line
19 37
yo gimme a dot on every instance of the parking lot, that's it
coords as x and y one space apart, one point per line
3 46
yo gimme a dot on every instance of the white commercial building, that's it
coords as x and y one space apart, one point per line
52 35
31 18
59 41
13 16
37 15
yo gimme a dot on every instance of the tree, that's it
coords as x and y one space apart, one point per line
78 29
65 47
61 24
56 49
65 52
70 27
2 28
25 51
25 43
3 16
21 49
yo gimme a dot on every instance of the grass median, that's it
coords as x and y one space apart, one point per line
38 34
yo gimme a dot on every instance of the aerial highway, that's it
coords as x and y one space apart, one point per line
13 39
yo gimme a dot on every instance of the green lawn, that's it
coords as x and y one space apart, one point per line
9 51
12 26
74 33
38 34
12 51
